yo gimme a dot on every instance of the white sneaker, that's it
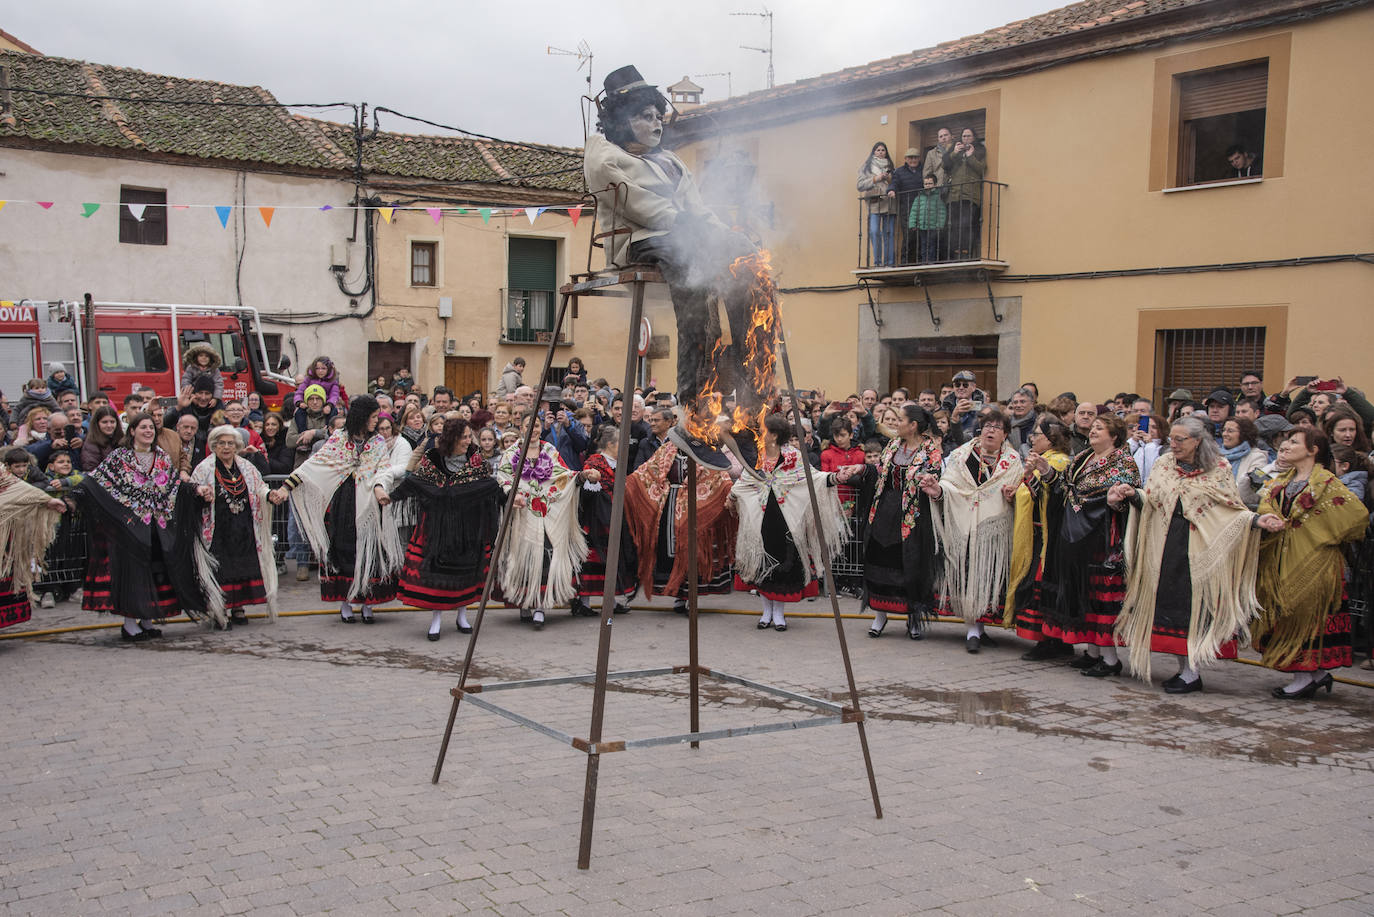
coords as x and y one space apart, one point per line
46 601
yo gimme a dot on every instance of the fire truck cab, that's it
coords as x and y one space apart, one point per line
117 348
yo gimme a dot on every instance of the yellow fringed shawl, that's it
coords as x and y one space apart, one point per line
1023 532
1300 568
27 526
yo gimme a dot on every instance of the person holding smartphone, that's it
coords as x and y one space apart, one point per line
874 181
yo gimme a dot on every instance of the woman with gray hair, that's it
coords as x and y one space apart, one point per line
1192 551
234 558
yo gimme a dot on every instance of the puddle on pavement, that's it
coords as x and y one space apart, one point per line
1278 735
1283 736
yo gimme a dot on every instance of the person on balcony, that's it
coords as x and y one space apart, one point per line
935 157
875 180
904 190
926 222
965 165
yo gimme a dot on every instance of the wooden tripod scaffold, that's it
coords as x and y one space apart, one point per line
637 278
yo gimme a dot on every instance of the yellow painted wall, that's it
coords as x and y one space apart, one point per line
473 271
1074 144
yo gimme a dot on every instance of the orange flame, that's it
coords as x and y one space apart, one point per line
759 357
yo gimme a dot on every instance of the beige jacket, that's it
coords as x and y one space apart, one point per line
651 200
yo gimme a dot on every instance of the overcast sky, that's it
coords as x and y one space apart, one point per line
482 65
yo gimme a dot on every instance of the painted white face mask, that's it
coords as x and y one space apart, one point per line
647 127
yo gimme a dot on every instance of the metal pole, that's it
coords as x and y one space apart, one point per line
694 676
501 534
825 557
603 647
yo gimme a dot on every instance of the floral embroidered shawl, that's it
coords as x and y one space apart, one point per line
1301 568
927 460
206 565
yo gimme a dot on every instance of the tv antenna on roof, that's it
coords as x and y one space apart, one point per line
583 55
766 14
729 83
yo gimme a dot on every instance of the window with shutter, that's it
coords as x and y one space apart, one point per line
423 262
143 216
1203 360
1220 110
532 279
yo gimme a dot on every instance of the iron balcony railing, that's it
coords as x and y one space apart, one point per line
936 226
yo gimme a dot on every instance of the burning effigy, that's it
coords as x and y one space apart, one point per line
721 284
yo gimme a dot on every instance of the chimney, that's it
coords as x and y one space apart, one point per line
685 95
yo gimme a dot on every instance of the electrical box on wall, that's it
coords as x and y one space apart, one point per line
446 307
450 347
338 256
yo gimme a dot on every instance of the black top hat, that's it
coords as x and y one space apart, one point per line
626 79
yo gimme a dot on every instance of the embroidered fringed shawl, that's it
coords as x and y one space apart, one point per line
550 511
646 494
787 482
379 550
27 526
206 565
1223 550
1301 571
973 528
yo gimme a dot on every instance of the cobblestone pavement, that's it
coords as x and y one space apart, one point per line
285 769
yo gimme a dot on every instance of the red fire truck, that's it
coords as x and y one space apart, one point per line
119 347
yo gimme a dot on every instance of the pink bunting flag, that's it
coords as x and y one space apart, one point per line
267 215
435 214
575 213
44 204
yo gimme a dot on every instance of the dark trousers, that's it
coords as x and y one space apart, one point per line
696 263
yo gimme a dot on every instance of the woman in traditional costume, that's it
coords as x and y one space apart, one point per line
1049 442
28 523
1191 557
900 562
779 549
139 559
234 558
545 546
458 513
972 503
656 512
1084 580
594 514
341 499
1304 627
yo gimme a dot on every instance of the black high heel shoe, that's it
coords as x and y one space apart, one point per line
1310 690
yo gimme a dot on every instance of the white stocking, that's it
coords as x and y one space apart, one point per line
767 612
436 621
463 618
132 627
879 620
1300 681
1109 655
779 616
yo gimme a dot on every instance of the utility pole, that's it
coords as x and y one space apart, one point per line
583 55
768 15
729 84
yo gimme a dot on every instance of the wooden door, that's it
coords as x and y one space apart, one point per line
464 375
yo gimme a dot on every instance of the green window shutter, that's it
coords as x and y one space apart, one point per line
533 264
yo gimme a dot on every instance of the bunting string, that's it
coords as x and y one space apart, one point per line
222 212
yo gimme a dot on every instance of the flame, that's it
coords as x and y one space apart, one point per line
758 358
